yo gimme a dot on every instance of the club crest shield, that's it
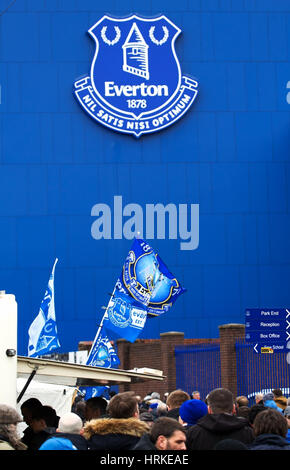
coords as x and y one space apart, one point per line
135 84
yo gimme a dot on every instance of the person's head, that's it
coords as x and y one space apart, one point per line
277 392
270 421
191 411
95 408
165 396
243 412
196 395
43 417
254 411
147 417
161 409
70 423
9 418
287 415
259 398
139 399
168 434
220 400
80 408
268 397
242 401
123 405
176 398
28 407
155 396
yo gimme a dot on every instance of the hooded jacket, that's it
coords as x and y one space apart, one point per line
76 439
114 434
213 428
272 404
173 413
270 442
37 438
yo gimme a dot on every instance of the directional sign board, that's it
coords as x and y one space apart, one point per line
268 329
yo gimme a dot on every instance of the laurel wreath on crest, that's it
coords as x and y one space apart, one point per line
154 40
106 40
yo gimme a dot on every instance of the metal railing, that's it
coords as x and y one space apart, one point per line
260 372
198 368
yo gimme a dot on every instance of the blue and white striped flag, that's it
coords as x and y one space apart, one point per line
43 336
102 353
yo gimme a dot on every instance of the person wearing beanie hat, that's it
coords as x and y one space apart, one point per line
70 427
9 439
155 395
191 411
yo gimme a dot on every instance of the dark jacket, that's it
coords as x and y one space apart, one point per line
174 413
145 443
77 440
28 434
114 434
269 442
33 440
213 428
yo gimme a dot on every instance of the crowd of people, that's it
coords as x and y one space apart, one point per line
178 421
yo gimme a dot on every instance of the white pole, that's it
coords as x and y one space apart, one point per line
100 325
8 349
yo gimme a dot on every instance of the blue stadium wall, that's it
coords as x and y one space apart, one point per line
229 153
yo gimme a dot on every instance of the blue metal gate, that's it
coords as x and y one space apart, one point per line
260 372
198 368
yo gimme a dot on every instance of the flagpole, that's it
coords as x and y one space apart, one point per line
100 325
53 269
102 321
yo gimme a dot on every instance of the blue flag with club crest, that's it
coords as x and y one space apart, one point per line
125 316
102 353
146 278
145 288
43 335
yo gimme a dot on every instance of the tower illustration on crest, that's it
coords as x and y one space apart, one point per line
135 54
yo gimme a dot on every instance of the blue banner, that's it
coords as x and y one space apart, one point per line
125 316
147 279
145 287
43 335
102 353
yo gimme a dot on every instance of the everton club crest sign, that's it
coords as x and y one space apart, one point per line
135 84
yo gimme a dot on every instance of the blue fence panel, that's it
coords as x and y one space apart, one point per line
260 372
198 368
